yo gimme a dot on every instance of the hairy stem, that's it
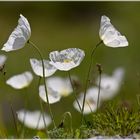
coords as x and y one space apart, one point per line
42 109
87 80
74 92
40 54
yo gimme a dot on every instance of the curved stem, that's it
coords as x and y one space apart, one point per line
74 92
87 80
70 116
42 109
37 49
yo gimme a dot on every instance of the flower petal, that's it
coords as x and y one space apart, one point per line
111 84
3 58
52 95
38 69
21 80
33 119
110 36
67 59
19 36
90 101
61 85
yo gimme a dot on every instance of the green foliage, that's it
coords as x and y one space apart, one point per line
60 133
117 121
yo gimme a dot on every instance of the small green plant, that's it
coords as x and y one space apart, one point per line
117 121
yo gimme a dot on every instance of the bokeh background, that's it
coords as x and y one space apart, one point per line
61 25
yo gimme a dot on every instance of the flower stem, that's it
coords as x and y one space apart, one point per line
42 109
74 92
15 121
64 118
100 73
40 54
87 80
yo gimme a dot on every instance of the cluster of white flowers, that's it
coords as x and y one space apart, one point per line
63 60
110 86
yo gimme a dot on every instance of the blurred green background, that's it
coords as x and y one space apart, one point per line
61 25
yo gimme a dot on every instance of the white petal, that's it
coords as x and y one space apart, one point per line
111 84
110 36
21 80
19 36
33 119
3 58
52 95
90 101
67 59
61 85
38 69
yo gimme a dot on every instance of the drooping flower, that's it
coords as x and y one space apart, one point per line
90 101
21 80
110 85
53 96
110 36
67 59
38 69
19 36
61 85
33 119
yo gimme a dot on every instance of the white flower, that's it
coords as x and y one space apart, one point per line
38 69
21 80
33 119
53 96
67 59
90 101
3 58
19 36
61 85
110 36
110 85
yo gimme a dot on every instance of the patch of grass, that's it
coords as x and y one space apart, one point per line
113 120
117 120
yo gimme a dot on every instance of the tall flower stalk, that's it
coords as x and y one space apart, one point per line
74 91
87 80
100 73
44 80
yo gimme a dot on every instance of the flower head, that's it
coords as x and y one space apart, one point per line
110 36
38 69
21 80
61 85
67 59
33 119
110 85
19 36
53 96
90 101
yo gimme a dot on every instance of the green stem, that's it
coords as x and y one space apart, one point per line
70 116
98 100
74 92
37 49
25 106
42 109
14 118
87 80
